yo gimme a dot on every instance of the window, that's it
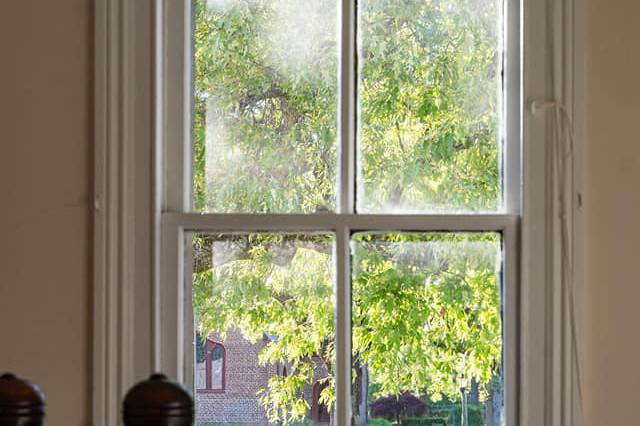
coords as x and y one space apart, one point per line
366 202
354 215
210 366
319 411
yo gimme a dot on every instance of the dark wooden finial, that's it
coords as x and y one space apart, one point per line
158 402
21 403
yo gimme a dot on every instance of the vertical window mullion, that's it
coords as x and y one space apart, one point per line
510 307
511 108
345 205
173 113
342 259
347 107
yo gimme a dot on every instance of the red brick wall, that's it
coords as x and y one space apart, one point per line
244 377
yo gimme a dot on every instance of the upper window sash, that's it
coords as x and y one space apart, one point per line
174 81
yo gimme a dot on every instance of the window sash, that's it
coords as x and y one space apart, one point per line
174 83
178 319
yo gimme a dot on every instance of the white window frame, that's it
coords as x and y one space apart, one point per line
143 49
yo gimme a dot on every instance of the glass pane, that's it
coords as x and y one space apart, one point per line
268 302
216 368
429 94
265 106
201 374
427 328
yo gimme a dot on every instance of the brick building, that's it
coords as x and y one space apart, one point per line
228 377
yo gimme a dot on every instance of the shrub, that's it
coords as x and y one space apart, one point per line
475 416
379 422
425 421
394 408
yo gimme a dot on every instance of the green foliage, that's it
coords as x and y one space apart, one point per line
428 101
275 285
474 414
426 421
304 422
270 112
266 105
426 306
379 422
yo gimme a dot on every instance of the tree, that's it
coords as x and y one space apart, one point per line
426 306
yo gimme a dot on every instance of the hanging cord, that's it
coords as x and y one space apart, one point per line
563 144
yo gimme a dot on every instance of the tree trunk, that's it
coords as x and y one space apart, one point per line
361 393
363 417
497 400
474 394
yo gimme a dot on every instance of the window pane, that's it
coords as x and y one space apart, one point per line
268 299
216 368
201 374
430 106
427 324
265 106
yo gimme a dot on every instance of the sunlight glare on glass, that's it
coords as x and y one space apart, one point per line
265 106
429 137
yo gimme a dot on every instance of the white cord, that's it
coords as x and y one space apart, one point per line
563 153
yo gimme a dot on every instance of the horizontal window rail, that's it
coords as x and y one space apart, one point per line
334 222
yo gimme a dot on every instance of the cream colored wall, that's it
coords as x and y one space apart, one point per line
45 187
613 213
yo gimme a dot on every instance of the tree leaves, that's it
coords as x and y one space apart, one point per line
426 306
424 311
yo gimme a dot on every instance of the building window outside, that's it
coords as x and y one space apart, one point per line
217 367
210 366
319 411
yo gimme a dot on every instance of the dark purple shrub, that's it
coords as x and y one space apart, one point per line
394 408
